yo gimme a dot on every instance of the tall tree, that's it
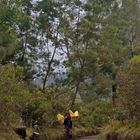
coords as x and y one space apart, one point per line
8 36
130 12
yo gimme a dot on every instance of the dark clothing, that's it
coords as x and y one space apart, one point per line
68 127
68 123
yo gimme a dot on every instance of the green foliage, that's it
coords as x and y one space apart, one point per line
103 87
8 35
8 136
43 108
123 131
59 101
36 109
80 36
129 87
13 95
97 113
135 61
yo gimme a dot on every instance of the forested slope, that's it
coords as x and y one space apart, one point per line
93 44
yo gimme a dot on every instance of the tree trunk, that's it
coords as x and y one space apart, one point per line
76 92
50 63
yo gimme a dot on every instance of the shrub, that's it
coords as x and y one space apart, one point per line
14 95
129 89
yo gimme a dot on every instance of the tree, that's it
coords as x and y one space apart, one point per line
130 13
48 26
128 87
85 49
8 36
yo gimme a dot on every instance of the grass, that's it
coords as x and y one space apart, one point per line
47 133
58 133
8 135
125 131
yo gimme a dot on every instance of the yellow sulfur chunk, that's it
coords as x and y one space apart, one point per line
60 118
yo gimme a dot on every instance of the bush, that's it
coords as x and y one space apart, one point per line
96 113
129 89
43 107
14 95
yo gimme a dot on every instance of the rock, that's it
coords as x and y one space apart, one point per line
35 136
21 131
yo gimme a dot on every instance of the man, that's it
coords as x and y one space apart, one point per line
68 126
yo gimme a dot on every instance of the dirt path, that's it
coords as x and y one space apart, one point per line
89 138
93 137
